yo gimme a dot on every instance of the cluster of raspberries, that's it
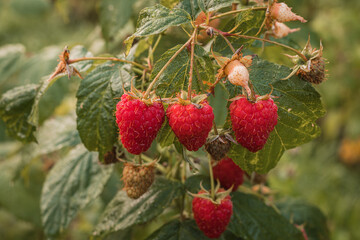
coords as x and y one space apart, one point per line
139 122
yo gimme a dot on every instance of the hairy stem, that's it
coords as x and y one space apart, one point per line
275 43
193 37
228 43
70 61
212 191
261 39
238 11
215 128
164 67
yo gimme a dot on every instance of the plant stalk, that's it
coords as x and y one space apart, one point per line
164 68
238 11
70 61
212 190
193 37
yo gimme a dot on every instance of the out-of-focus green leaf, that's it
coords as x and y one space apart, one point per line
30 7
252 219
72 183
96 103
156 19
299 106
114 15
15 107
169 3
123 212
39 65
21 197
176 76
302 213
10 55
194 7
57 134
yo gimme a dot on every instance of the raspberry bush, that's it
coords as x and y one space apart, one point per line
152 122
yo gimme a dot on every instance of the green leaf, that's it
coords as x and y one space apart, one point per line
176 76
71 184
96 105
194 7
15 107
252 219
76 52
185 230
10 56
166 136
302 213
176 230
156 19
21 196
123 212
58 133
299 106
40 65
114 15
192 184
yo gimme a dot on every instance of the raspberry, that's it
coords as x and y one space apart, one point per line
218 148
212 218
238 74
280 30
282 13
316 74
137 179
228 173
138 123
253 122
191 123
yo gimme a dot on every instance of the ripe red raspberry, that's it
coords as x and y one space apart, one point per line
228 173
137 179
138 123
211 218
191 123
253 122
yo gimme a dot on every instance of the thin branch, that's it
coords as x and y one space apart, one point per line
70 61
275 43
261 39
191 63
164 67
228 43
238 11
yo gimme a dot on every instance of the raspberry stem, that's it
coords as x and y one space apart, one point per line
260 39
275 43
238 11
114 59
165 66
215 128
212 191
193 37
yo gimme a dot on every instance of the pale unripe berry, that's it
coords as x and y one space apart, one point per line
238 74
282 13
281 30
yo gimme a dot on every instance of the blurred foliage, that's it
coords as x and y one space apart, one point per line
37 31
